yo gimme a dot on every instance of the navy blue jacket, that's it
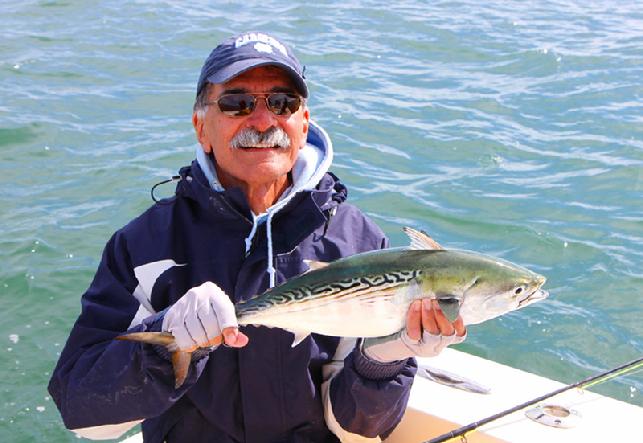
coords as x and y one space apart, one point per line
264 392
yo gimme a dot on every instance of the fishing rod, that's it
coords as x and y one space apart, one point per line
611 373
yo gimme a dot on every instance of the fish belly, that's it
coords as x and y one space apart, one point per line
373 313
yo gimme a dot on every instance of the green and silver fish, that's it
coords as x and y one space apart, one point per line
369 294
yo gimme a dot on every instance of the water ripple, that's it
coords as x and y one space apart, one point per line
514 128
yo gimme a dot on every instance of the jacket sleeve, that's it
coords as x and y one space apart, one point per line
364 400
102 386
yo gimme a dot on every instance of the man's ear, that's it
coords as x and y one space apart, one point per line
199 127
306 122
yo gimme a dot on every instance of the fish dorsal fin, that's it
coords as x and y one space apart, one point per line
313 265
421 240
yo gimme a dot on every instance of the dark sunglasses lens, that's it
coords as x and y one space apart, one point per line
283 104
236 104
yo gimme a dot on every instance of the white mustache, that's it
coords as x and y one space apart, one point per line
273 136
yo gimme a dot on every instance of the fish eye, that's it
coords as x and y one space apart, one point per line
519 290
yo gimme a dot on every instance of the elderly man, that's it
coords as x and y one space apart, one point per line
255 204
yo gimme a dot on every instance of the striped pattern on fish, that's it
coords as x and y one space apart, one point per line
368 294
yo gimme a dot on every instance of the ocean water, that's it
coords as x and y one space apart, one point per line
510 128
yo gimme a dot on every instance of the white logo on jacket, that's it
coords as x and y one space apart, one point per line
147 275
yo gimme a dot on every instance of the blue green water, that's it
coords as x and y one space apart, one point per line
510 128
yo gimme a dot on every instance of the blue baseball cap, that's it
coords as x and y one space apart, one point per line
238 54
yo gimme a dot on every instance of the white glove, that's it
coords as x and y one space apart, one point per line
199 316
400 346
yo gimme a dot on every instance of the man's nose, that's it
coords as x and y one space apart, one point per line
262 118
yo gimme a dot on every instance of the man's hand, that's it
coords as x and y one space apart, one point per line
427 333
426 315
200 316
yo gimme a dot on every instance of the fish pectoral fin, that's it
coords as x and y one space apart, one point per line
450 306
181 364
421 240
299 337
313 265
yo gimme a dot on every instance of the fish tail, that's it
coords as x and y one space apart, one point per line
153 338
180 359
180 363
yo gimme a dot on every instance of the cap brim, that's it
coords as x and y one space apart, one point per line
239 67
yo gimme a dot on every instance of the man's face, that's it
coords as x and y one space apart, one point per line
258 166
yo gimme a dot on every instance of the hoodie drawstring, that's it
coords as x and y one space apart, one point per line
253 231
271 267
256 221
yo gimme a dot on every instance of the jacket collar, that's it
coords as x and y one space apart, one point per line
231 205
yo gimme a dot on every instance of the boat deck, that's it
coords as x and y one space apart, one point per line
435 409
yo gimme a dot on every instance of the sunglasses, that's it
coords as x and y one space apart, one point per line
242 104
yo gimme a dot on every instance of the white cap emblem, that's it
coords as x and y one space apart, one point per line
263 47
262 43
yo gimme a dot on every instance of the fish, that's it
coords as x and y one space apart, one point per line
369 294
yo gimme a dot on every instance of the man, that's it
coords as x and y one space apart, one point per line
255 204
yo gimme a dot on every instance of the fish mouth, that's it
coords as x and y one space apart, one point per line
537 295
